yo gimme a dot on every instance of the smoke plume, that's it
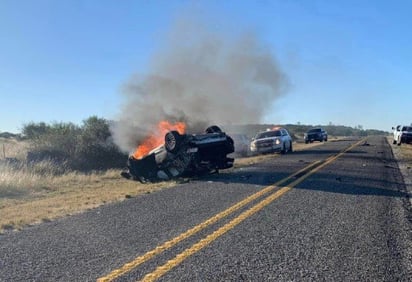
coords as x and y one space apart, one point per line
201 78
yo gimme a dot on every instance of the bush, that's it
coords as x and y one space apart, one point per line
83 148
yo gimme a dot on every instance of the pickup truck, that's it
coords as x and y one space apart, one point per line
315 134
402 134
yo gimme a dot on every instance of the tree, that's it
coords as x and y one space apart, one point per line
34 130
96 149
86 147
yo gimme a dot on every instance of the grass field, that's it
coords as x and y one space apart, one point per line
35 195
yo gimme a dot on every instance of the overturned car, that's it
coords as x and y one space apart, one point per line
183 155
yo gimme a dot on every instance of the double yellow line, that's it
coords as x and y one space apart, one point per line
161 270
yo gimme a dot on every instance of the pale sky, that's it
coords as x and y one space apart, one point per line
347 62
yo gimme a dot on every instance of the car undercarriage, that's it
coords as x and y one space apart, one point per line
183 155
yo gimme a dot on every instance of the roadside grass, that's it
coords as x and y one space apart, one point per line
29 198
35 194
403 153
406 154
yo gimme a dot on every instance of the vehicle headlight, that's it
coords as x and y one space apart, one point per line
253 145
277 141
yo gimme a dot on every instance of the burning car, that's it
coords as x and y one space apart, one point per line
183 154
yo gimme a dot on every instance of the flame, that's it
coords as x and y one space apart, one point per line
157 137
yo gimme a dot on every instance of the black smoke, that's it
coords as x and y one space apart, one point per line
200 77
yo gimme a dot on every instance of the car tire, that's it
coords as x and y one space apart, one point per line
213 129
172 141
394 142
291 147
230 145
283 151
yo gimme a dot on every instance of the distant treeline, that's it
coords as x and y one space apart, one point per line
297 130
9 135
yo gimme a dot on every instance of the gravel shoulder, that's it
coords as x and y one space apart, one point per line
403 155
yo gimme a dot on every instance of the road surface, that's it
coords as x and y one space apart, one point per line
335 212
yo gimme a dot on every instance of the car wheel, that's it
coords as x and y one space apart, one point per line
230 145
283 151
172 141
213 129
394 142
291 147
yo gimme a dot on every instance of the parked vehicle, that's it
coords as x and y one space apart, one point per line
275 140
183 155
242 144
402 134
316 134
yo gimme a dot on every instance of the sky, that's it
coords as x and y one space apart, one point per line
345 62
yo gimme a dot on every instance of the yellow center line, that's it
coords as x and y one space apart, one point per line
161 270
167 245
328 161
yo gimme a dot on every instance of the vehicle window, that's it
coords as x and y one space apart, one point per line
267 134
315 130
407 128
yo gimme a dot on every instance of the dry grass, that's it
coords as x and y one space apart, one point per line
402 153
42 198
36 194
11 148
406 154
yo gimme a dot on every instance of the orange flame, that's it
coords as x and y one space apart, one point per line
157 138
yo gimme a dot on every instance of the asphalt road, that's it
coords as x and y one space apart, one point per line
343 215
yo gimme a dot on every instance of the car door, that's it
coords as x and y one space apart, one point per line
285 143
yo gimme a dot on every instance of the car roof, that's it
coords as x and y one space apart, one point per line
272 129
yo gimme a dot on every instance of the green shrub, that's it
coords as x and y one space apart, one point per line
84 148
